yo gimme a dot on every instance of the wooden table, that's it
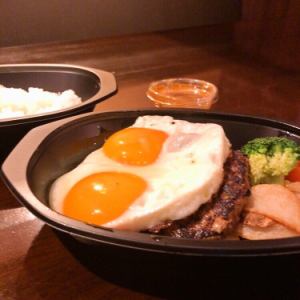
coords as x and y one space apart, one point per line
37 262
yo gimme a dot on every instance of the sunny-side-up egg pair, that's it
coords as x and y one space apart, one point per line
158 169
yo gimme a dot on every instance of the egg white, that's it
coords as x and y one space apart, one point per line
188 171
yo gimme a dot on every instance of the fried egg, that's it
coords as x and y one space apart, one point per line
158 169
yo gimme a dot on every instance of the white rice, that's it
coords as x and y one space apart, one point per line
18 102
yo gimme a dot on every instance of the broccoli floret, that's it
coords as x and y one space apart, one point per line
271 158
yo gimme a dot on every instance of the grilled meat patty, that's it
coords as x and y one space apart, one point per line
218 217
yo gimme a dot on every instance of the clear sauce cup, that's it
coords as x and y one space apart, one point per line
182 92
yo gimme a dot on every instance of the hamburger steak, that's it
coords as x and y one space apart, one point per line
218 217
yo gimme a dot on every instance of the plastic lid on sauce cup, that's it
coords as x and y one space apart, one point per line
182 92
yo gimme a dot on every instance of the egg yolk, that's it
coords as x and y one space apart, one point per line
135 146
102 197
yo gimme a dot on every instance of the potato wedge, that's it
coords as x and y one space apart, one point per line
258 227
276 202
276 231
294 187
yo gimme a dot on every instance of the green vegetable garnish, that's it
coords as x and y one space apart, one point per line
271 158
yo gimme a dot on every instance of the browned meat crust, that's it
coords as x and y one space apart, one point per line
218 217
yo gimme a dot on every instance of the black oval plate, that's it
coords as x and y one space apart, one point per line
29 171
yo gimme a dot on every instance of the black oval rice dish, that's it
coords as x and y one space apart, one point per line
91 85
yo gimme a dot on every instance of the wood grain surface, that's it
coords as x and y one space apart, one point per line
37 262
